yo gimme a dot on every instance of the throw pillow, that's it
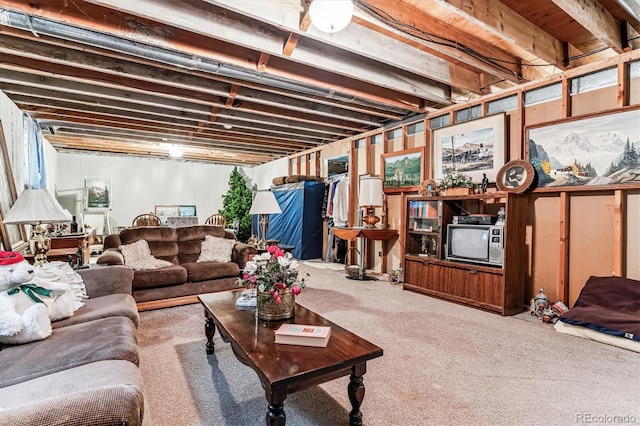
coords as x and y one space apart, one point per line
138 256
133 252
216 249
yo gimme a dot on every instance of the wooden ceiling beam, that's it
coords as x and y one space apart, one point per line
168 36
219 24
41 47
42 103
79 144
61 118
496 24
119 74
64 110
596 19
132 136
55 121
36 81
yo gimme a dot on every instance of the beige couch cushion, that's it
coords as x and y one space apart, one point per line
112 305
100 393
68 347
216 249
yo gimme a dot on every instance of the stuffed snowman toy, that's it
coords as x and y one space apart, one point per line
23 305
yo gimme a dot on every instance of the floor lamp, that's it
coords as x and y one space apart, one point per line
264 204
371 196
35 207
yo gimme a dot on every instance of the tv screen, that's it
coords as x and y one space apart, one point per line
469 242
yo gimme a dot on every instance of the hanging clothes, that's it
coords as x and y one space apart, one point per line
341 203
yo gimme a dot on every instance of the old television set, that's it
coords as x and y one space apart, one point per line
483 244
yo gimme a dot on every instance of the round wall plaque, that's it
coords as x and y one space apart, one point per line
515 176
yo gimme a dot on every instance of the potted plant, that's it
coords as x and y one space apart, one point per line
456 183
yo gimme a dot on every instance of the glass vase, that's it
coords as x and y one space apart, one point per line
268 310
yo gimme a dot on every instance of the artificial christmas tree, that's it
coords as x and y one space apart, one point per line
237 203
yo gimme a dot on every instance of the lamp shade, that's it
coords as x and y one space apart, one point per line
371 192
330 16
265 203
35 206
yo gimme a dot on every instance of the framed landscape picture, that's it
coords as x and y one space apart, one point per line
403 170
97 193
474 148
597 150
187 210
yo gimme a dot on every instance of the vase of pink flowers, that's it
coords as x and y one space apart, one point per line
274 276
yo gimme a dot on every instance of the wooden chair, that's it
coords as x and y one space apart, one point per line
146 219
216 219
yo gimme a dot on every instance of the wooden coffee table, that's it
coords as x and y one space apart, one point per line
297 367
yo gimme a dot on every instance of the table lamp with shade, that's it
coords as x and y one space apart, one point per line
264 204
371 196
35 207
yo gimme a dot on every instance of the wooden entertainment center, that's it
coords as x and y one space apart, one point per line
494 288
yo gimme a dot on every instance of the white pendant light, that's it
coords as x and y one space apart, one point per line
330 16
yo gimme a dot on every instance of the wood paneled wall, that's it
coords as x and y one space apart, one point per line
571 234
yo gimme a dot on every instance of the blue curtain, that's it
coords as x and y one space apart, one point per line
37 176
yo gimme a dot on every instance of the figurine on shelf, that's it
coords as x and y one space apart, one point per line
501 214
485 183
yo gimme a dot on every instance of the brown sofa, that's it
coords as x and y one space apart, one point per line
86 372
180 282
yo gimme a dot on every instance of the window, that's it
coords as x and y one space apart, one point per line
414 128
503 104
441 121
468 114
596 80
543 94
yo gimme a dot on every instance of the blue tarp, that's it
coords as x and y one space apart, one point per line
300 223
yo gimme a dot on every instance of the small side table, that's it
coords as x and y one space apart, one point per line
65 246
364 234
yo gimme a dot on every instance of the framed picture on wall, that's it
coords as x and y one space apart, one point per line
402 170
97 193
596 150
474 148
164 212
186 210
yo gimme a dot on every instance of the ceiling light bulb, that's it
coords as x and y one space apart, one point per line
330 16
176 151
227 126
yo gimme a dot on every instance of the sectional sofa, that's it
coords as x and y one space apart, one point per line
185 276
86 372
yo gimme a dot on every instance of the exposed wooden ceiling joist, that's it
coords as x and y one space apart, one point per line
245 81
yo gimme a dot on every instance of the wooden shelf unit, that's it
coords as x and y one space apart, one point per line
496 289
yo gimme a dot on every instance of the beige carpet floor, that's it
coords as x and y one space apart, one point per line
443 364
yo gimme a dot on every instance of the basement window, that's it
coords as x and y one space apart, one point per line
414 128
634 69
394 134
543 94
593 81
375 139
360 143
468 114
503 104
438 122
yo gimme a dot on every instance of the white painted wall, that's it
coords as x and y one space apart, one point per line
138 184
264 174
